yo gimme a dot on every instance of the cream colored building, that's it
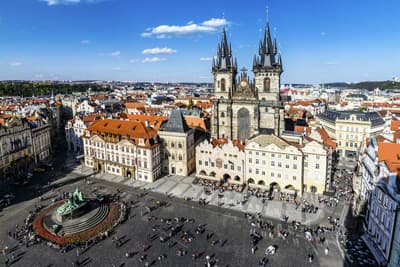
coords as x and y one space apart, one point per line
178 146
350 128
125 148
221 160
41 138
272 163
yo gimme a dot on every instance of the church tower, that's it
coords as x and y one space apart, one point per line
224 69
267 69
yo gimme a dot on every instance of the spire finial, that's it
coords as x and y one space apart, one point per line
267 12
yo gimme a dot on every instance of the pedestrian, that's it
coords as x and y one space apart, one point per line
326 251
77 252
253 250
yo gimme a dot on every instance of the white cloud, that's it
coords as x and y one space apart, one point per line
15 64
158 50
116 68
153 59
66 2
214 22
115 54
85 42
163 31
206 58
133 60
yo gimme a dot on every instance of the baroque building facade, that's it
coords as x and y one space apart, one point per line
243 108
125 148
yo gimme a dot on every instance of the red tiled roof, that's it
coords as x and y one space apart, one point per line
154 121
130 129
302 129
222 141
395 125
390 153
325 138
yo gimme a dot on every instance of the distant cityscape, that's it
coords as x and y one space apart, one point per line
309 170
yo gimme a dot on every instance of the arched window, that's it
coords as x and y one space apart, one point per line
222 114
180 157
223 84
267 84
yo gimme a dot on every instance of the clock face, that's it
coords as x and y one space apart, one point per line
243 83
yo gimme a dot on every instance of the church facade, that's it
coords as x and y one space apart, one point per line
242 107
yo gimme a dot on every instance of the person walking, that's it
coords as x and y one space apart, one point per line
326 251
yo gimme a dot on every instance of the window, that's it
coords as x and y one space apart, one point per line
267 84
287 166
287 156
206 163
257 162
279 164
180 157
257 153
272 155
179 145
272 163
223 85
232 167
257 171
212 164
172 144
279 175
263 154
294 178
239 168
225 166
249 170
263 162
250 160
295 166
294 157
305 164
144 152
272 174
317 166
200 162
222 114
263 172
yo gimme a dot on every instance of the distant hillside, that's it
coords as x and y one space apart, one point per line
371 85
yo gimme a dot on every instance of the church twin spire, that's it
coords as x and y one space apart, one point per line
224 60
268 56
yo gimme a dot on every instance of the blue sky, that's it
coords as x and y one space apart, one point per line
173 40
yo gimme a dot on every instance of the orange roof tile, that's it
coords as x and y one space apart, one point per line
136 105
154 121
129 129
302 129
194 122
222 141
395 125
325 138
390 153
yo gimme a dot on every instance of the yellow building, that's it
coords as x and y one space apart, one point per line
350 128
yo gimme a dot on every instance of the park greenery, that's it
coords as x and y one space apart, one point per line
28 89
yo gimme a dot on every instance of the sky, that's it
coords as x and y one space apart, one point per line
175 40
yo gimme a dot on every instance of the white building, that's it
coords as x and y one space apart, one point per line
74 129
221 160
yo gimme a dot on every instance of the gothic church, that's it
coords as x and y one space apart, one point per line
244 108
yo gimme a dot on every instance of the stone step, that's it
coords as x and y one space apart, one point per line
83 226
